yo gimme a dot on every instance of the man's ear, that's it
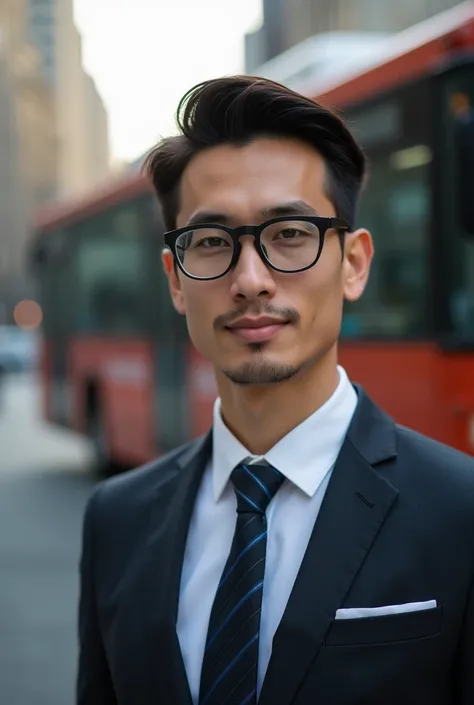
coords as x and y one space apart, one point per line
172 273
358 253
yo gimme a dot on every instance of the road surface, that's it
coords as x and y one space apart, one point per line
26 442
44 485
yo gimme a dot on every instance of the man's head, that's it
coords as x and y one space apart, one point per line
251 150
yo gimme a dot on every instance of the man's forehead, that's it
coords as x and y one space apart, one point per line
259 157
222 215
260 177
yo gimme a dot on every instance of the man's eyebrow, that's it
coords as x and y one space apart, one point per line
208 217
292 208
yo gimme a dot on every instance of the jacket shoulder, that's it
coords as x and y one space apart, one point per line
135 487
436 463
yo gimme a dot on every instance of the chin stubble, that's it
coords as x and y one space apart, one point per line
261 371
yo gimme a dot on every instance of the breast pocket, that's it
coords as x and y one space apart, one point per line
406 626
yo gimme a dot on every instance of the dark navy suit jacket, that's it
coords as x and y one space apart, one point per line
396 526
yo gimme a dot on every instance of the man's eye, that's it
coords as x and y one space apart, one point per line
291 233
212 242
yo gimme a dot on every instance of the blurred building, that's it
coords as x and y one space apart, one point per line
300 19
82 121
98 165
269 40
28 149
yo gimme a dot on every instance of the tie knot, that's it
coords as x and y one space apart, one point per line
255 486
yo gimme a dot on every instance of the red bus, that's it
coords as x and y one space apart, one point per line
117 363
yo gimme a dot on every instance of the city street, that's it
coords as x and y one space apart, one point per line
44 484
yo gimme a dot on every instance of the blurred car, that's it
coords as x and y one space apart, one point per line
18 349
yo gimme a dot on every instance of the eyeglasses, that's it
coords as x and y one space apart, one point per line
286 244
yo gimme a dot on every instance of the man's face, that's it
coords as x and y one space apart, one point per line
240 185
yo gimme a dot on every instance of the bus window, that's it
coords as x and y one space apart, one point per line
110 264
457 244
396 208
110 283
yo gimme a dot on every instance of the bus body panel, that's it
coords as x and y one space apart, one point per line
123 374
412 53
459 401
405 380
420 387
202 392
46 377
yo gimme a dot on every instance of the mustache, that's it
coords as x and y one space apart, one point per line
289 315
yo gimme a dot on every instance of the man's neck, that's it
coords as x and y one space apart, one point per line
260 416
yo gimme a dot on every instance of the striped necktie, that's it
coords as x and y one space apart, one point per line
229 671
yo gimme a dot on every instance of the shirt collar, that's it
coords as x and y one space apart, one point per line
304 456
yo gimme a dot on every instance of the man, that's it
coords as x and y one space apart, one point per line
307 550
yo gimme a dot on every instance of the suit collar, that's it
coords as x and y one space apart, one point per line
372 431
197 454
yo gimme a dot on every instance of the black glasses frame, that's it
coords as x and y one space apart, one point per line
323 225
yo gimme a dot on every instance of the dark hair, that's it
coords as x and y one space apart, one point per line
239 109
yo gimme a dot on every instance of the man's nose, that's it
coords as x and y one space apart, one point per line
251 277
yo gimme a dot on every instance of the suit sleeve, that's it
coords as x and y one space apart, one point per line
94 683
466 663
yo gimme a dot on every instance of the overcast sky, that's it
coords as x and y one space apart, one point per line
144 54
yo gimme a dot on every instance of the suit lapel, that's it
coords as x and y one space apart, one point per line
356 504
160 584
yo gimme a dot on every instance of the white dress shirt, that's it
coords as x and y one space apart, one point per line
306 457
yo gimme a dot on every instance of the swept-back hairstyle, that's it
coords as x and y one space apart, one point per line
239 109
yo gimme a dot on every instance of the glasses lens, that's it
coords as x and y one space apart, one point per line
204 252
291 245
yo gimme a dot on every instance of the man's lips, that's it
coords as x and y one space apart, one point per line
256 330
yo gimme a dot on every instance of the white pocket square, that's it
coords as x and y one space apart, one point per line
360 612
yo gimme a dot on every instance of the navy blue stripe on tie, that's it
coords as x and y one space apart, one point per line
242 626
259 482
241 581
228 668
242 553
248 698
247 499
233 611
